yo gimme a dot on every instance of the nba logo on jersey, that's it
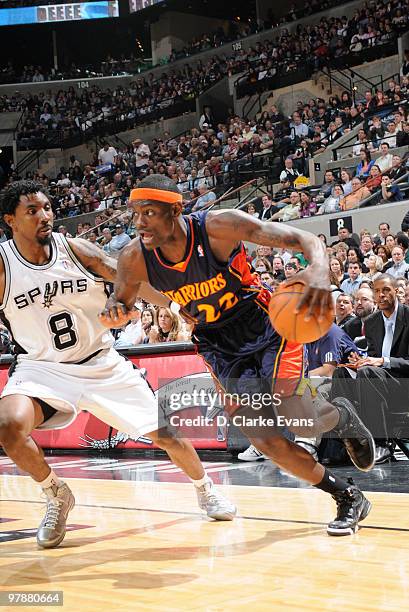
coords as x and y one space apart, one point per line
67 264
200 250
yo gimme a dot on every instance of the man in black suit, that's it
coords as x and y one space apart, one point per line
364 306
381 388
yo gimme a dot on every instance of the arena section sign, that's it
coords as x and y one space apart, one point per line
53 13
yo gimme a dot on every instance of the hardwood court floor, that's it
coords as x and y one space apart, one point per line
144 546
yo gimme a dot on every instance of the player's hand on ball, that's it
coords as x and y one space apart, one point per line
317 294
115 314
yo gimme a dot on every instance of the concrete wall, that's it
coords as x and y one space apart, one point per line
173 30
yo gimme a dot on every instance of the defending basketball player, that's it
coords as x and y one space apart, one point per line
198 262
51 291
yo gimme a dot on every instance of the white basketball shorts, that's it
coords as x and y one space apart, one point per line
107 386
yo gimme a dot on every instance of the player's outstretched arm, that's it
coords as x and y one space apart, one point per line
94 259
131 282
237 226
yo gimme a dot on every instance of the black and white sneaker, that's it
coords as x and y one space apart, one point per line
352 507
356 436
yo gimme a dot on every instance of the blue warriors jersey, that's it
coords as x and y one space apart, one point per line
213 292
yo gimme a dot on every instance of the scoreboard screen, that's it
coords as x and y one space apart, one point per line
139 5
53 13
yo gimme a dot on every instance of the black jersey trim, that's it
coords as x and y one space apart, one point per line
7 276
77 262
28 264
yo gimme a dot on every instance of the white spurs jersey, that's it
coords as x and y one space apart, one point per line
51 310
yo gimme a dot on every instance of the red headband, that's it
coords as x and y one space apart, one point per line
159 195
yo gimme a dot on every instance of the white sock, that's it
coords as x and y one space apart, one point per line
52 480
202 481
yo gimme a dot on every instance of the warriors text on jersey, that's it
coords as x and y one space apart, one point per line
211 291
51 310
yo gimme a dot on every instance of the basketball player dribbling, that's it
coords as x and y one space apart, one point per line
51 292
199 263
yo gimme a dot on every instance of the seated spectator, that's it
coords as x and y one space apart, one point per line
401 294
332 203
168 328
359 193
131 335
383 252
268 208
278 268
290 270
366 246
251 210
119 241
308 206
385 160
375 267
205 199
351 284
364 306
337 268
261 265
402 138
344 309
268 279
341 252
399 266
346 178
374 180
361 143
148 320
390 193
326 353
398 169
290 211
365 164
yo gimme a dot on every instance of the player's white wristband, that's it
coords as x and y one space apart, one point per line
174 307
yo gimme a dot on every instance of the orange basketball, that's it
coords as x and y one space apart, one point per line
292 326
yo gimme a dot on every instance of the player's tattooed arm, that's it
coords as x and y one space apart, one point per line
94 259
227 228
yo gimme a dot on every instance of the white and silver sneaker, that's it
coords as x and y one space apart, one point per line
60 501
251 454
216 506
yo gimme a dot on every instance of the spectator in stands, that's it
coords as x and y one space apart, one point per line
119 241
131 335
402 138
206 198
401 294
373 182
361 143
366 246
290 211
268 279
346 181
268 208
398 169
168 328
375 267
365 164
107 155
390 193
383 230
142 155
358 194
364 306
351 284
390 241
341 252
326 353
251 210
148 320
344 236
332 203
278 268
308 207
289 173
290 270
344 309
383 252
385 160
337 268
402 240
399 266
